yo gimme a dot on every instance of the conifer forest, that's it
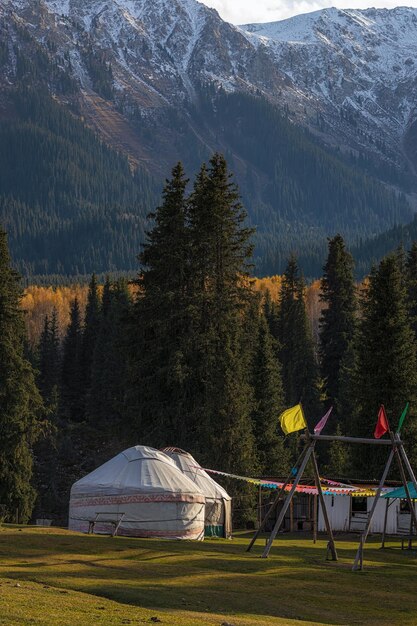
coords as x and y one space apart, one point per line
192 352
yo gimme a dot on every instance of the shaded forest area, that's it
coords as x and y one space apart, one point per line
196 355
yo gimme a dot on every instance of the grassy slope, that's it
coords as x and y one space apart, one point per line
67 579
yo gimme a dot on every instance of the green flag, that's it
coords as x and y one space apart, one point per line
402 418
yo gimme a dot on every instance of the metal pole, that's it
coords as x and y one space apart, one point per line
372 511
315 517
287 501
274 505
332 545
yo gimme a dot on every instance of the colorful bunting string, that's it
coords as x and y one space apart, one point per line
332 488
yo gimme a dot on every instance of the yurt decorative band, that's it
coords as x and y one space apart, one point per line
138 498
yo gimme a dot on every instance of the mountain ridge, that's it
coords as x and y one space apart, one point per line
163 81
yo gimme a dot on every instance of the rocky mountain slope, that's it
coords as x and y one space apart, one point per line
357 74
311 112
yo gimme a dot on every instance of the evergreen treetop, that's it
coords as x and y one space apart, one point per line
337 321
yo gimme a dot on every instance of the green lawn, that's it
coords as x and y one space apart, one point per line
55 577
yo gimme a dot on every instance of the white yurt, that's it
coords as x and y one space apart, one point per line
218 517
139 493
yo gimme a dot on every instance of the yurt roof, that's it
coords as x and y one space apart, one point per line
187 463
137 469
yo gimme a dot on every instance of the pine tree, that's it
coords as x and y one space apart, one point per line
49 359
268 404
45 450
346 401
72 404
20 404
411 282
220 248
337 322
338 464
299 367
386 371
89 335
106 400
160 322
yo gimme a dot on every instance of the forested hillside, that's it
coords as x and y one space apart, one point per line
70 204
369 251
297 192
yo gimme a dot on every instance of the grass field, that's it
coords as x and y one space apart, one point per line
55 577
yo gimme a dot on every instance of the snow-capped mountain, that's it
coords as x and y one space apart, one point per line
169 80
348 75
159 48
356 69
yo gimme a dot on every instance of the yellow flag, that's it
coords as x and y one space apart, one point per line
293 419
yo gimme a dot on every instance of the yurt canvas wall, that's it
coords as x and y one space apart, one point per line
218 516
144 489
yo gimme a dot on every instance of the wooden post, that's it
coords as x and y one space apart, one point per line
260 506
350 513
315 517
406 489
406 462
375 442
275 503
385 524
292 515
287 501
359 555
332 545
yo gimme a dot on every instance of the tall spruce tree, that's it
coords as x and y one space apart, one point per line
107 395
90 334
337 321
411 283
49 359
386 368
160 322
268 404
220 248
46 449
20 402
299 366
72 396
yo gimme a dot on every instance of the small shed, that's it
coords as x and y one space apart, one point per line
349 513
140 493
218 513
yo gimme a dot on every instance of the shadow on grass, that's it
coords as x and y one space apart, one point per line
295 582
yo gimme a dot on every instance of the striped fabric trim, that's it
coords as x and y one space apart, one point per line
137 498
102 527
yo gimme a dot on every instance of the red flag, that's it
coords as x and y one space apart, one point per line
382 425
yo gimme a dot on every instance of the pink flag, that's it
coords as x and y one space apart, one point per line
322 423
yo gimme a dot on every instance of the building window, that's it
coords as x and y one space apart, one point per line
359 505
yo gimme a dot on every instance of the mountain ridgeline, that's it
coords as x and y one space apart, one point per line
92 117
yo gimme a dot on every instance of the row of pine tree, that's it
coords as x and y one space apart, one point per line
199 360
